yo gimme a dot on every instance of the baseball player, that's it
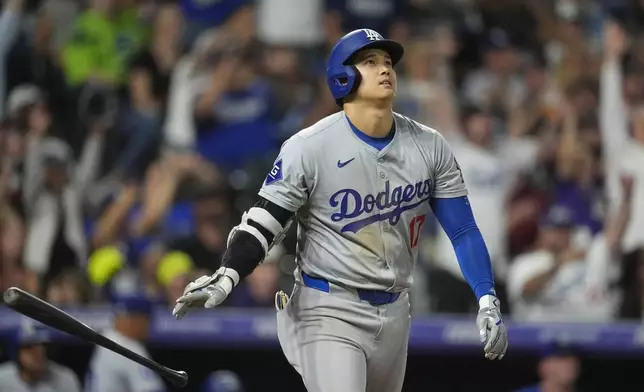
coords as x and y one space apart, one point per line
359 184
30 370
110 372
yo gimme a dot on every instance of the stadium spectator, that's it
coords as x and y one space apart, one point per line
576 176
149 81
69 288
30 369
111 372
53 188
288 24
559 370
381 15
206 245
426 88
568 282
234 15
234 102
34 59
622 128
491 171
58 16
496 87
104 39
9 27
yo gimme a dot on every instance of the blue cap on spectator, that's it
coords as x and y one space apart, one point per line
29 333
558 216
223 381
557 349
131 303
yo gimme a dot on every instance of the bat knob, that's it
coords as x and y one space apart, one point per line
181 379
11 296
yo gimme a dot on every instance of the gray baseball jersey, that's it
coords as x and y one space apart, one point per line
110 372
360 210
57 379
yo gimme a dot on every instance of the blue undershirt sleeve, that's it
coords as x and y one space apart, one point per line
456 218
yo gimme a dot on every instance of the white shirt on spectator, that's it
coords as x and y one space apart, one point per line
480 85
110 372
579 290
623 155
490 175
44 207
57 379
290 22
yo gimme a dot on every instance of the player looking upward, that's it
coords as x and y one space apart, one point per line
359 184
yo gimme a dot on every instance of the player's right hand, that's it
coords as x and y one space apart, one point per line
207 292
492 330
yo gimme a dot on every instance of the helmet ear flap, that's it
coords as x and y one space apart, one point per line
343 82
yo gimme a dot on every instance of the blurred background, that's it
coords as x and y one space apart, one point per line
134 133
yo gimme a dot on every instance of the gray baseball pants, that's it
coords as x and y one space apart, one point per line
339 343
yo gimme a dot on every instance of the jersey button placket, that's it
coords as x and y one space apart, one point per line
386 227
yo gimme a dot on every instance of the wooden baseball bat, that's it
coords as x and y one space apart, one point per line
39 310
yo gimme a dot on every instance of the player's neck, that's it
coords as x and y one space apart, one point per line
31 377
373 121
555 387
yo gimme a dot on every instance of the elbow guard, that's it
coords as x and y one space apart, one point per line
263 226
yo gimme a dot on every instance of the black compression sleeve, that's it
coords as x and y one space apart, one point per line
245 251
243 254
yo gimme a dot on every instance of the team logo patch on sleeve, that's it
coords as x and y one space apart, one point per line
275 173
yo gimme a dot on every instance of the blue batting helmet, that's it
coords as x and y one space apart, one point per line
342 77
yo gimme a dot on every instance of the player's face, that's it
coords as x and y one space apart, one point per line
33 358
562 370
378 75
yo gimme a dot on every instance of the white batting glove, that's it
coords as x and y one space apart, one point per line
492 330
207 291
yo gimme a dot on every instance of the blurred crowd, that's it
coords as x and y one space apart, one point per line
134 133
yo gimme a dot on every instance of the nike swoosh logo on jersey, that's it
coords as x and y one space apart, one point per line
343 164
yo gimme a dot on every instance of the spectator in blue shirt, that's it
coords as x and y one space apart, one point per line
203 15
235 115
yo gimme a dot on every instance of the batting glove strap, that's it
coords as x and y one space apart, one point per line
230 273
489 301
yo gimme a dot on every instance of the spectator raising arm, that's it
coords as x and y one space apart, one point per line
613 114
9 26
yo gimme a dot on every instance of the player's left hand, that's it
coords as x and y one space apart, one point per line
492 330
207 292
